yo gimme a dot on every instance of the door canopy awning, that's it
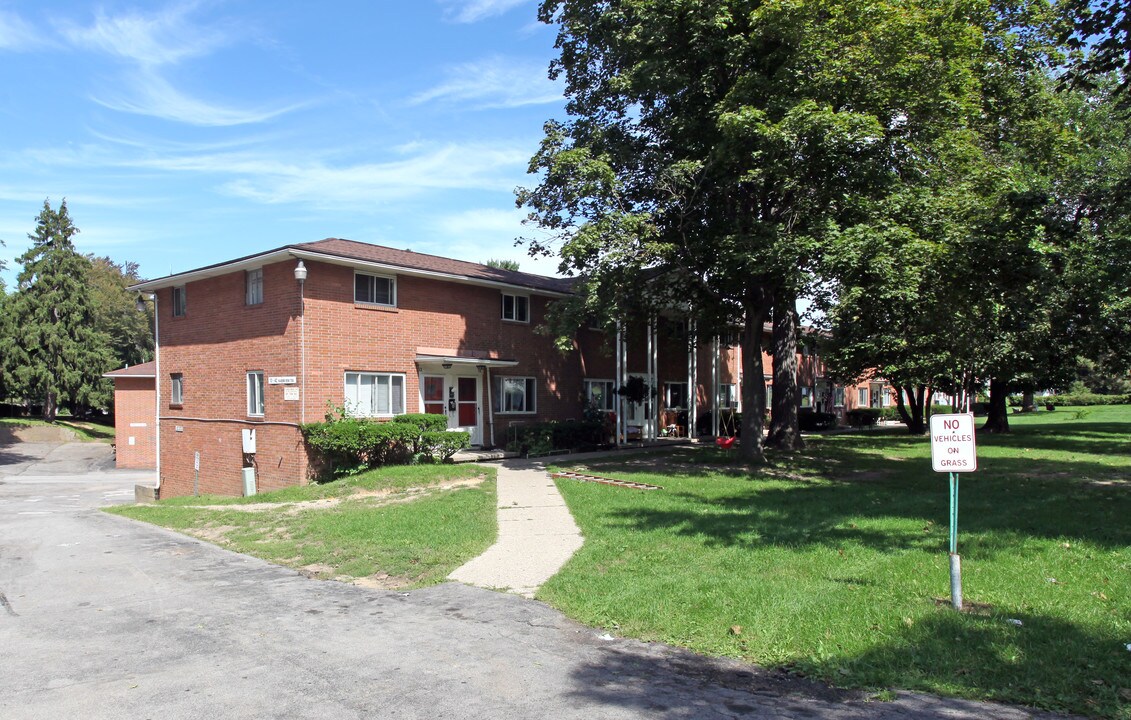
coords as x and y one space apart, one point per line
462 361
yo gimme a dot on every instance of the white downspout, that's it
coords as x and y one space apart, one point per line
157 384
490 407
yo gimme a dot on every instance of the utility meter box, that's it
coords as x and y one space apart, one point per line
249 441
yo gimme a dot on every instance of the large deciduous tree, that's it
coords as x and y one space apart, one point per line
714 147
58 353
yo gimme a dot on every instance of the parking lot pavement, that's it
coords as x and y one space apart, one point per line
103 617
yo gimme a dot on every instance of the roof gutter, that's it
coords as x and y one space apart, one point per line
273 256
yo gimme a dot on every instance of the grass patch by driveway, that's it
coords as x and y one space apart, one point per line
396 527
83 431
833 562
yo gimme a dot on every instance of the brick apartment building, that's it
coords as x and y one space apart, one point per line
273 340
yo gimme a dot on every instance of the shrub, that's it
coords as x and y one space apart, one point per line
810 420
862 417
424 423
349 444
1084 399
442 444
546 437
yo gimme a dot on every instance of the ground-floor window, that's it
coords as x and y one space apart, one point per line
601 394
255 404
861 397
838 397
374 394
676 395
514 395
728 395
806 397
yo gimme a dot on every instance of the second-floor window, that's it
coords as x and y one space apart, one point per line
176 389
179 301
254 293
374 289
516 308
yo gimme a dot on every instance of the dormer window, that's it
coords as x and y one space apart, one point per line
516 308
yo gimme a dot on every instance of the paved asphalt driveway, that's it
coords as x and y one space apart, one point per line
102 617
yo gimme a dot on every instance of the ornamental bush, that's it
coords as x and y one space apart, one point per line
350 445
862 417
424 423
1083 399
440 445
546 437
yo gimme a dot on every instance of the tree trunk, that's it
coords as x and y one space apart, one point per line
757 307
784 431
1027 402
998 419
50 406
912 411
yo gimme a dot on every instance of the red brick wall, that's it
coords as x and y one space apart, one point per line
134 399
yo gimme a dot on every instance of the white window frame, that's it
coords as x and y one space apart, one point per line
608 393
176 389
501 398
515 314
838 396
391 279
180 301
256 400
862 397
391 379
253 287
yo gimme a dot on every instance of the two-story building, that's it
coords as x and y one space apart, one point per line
273 340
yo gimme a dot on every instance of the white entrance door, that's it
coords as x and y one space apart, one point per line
638 414
467 414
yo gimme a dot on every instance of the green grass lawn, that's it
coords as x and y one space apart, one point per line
834 562
86 431
396 527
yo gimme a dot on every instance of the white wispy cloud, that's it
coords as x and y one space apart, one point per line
151 44
19 35
150 94
164 38
495 82
469 11
444 167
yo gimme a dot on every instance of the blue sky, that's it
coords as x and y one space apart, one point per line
187 133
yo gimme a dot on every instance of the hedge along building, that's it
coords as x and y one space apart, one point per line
270 341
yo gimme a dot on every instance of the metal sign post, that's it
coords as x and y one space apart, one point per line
953 451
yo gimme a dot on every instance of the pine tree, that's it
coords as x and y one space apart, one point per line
58 356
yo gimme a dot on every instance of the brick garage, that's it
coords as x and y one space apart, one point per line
135 397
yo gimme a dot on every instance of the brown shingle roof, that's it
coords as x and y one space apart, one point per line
433 263
142 370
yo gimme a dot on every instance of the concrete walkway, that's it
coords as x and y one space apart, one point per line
537 535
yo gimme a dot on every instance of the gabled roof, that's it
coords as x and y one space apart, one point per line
378 257
142 370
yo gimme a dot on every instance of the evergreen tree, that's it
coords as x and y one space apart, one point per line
58 353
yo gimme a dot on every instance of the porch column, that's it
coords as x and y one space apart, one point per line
649 398
692 378
621 427
715 386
